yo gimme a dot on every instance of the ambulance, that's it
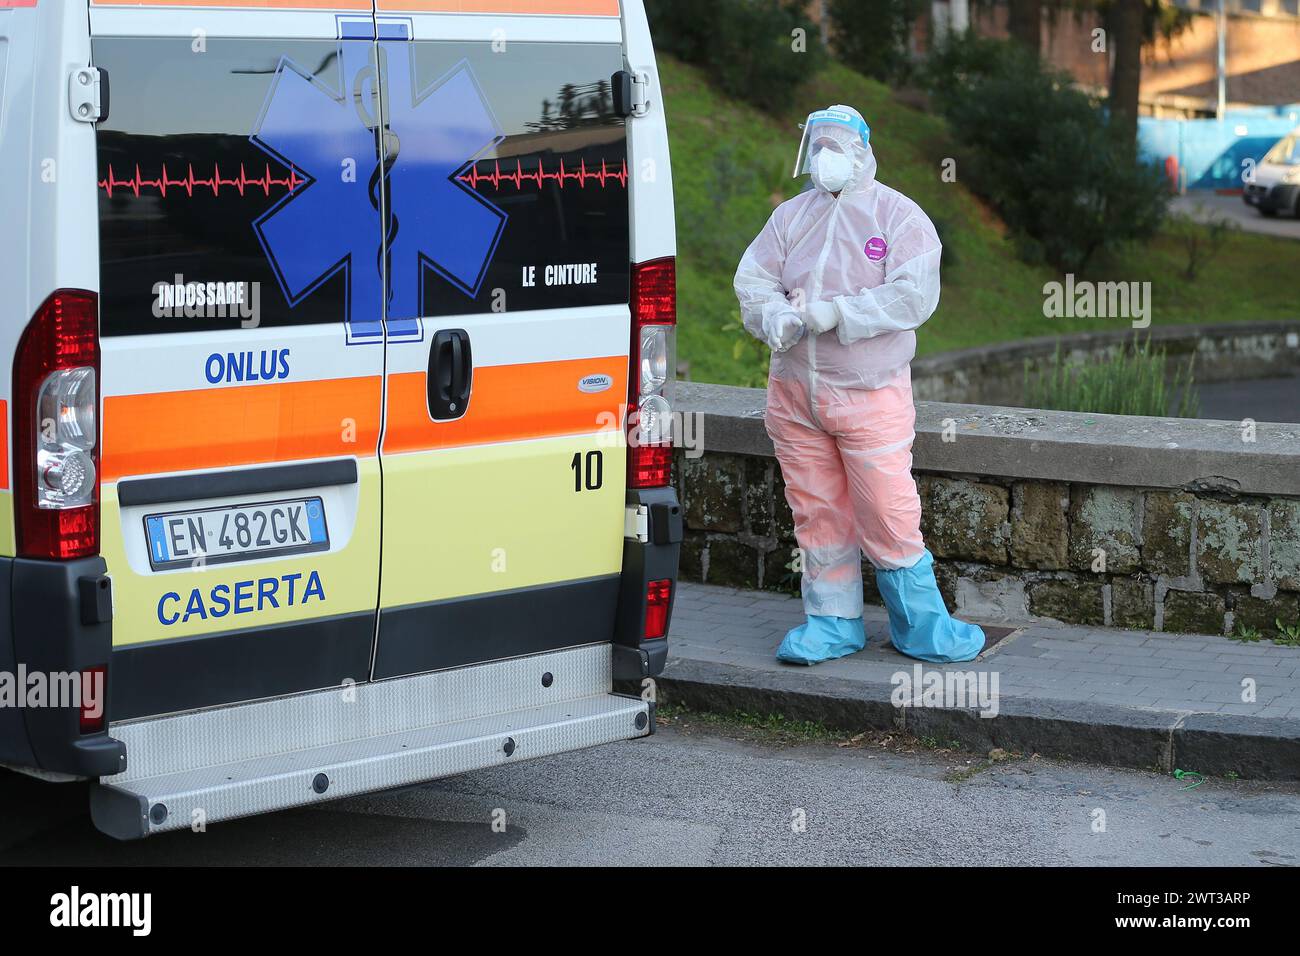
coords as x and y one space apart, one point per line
340 338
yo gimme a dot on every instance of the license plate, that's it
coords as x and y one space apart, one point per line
236 533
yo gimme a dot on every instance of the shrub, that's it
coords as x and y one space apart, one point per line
1132 383
1202 242
959 61
871 36
1039 150
746 46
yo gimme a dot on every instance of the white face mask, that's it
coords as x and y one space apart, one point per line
831 170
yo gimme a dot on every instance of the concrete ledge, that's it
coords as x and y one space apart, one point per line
1136 738
1192 454
1218 743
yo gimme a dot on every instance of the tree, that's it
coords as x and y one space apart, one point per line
1025 23
871 36
1127 21
1131 27
1043 153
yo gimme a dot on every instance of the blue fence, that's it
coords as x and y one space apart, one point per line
1210 152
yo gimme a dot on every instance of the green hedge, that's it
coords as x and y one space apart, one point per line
871 36
748 47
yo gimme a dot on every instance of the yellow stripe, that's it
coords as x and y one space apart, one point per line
7 546
348 578
497 517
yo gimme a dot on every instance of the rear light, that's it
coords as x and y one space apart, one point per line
650 466
654 318
56 429
93 683
658 595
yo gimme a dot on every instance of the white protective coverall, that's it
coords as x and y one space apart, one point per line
836 285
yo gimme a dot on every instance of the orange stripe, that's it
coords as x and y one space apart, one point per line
579 8
575 8
282 4
508 403
291 421
245 425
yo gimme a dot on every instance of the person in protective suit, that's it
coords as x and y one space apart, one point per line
836 284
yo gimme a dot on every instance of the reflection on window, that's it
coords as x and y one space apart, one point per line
1287 152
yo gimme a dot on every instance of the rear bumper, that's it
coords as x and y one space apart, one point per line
1270 198
199 768
56 618
55 621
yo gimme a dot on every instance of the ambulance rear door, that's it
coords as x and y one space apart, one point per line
507 245
242 348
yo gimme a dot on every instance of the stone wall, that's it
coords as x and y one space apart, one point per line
1128 522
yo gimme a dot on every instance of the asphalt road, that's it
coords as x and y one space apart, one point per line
697 795
1206 205
1263 399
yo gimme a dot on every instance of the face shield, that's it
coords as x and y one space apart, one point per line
836 128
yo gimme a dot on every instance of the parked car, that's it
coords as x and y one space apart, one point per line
1276 183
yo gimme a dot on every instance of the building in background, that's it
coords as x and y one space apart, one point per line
1204 136
1180 77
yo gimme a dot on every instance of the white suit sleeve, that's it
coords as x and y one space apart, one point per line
910 292
758 283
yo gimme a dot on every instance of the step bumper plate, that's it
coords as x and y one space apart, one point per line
189 770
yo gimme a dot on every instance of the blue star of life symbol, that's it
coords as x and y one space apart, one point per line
332 222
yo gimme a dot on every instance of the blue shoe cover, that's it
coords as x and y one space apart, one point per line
822 638
919 623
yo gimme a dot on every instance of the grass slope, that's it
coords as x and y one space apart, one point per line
731 167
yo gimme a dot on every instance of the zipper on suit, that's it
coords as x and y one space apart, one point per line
818 274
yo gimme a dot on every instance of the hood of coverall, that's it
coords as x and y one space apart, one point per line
864 160
872 251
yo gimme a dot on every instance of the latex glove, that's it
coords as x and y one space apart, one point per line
823 316
784 330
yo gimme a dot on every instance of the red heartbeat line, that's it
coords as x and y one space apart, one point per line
189 182
539 175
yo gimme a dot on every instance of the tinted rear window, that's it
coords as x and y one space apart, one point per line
191 179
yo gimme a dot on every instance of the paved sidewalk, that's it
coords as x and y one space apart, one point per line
1132 698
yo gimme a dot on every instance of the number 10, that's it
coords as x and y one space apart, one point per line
590 478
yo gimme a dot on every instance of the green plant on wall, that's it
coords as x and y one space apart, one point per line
1246 634
791 580
1131 383
1288 634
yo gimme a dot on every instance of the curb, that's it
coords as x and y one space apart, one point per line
1256 748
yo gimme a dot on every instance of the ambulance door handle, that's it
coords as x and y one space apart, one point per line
451 374
457 367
